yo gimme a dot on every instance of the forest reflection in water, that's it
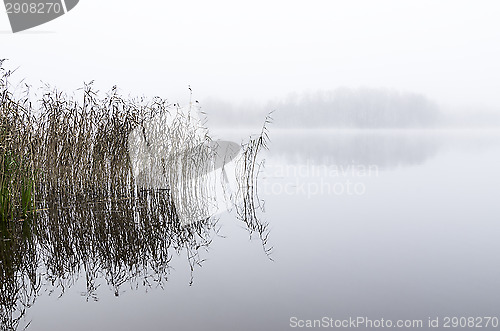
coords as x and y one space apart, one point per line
387 149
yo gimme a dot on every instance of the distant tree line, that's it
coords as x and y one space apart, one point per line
342 107
359 108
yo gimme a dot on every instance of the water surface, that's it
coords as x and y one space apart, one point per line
416 237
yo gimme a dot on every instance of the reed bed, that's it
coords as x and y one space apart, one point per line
75 202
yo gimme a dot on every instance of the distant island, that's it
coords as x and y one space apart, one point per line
341 108
358 108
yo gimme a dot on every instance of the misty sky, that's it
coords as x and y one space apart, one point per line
260 50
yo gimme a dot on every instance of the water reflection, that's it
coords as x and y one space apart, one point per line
385 149
19 279
343 148
121 232
129 239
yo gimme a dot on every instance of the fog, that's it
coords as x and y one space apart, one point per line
261 51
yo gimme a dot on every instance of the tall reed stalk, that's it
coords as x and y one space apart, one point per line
71 205
17 171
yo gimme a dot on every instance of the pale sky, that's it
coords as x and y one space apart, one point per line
260 50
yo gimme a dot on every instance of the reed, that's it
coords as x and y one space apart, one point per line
71 204
249 167
17 172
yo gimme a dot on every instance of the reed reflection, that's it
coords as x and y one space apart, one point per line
92 215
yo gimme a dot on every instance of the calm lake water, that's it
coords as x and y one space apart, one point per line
376 224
